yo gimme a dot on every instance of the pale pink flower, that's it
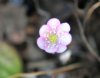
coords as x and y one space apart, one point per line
54 36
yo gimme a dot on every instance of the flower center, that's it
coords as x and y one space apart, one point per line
52 38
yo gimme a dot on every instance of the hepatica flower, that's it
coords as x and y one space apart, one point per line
54 36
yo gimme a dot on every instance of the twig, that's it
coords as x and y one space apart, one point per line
42 12
50 72
90 11
80 26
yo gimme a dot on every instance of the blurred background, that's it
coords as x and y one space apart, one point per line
20 56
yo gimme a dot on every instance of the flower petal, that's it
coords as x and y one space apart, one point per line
64 27
43 30
53 23
51 49
61 49
65 38
41 42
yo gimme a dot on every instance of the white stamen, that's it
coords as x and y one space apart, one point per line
50 32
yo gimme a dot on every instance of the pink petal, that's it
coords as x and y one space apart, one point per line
64 27
53 23
44 30
61 49
40 42
65 38
51 50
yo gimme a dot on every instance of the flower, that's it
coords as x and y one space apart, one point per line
54 36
